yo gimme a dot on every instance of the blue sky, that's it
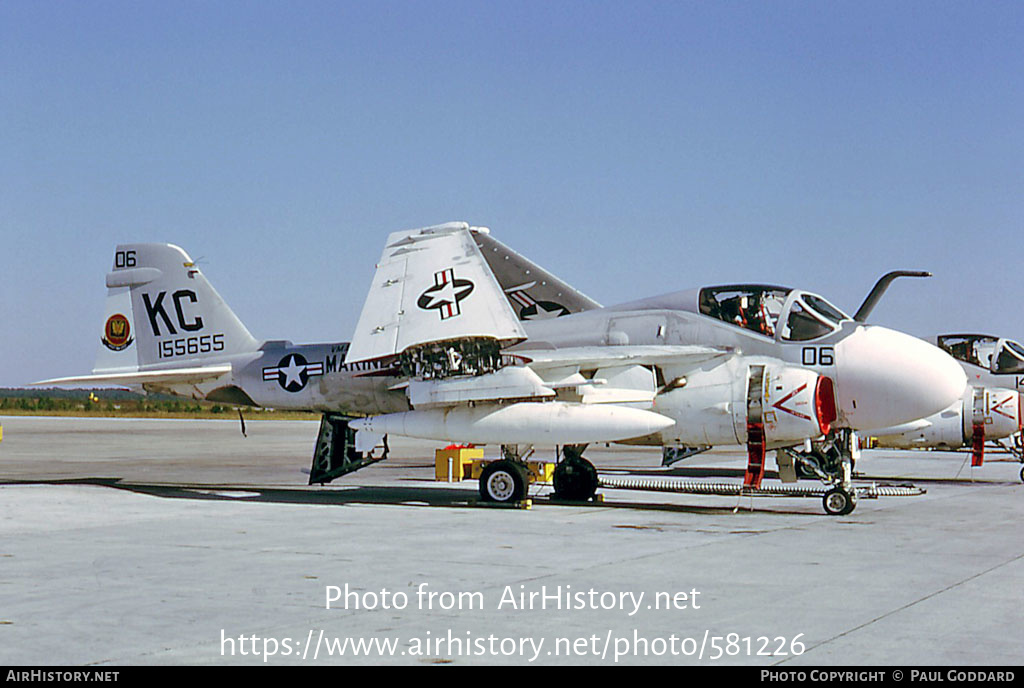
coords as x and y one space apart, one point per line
631 148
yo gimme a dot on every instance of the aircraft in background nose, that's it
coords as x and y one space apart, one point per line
990 410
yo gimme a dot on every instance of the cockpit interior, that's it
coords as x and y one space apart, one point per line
985 351
765 309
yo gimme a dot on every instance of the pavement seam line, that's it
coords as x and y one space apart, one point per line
908 605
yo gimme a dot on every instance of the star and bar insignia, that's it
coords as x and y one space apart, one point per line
293 372
446 294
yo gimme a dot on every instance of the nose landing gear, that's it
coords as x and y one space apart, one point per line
839 502
831 461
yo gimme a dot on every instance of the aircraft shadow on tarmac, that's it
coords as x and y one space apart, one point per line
416 493
413 496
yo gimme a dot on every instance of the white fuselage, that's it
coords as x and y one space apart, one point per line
881 377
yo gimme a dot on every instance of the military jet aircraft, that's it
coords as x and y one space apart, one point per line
445 350
989 411
988 361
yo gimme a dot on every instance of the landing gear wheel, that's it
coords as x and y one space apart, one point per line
503 481
1022 475
575 479
803 472
839 502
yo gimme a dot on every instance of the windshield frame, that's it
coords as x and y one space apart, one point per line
1015 347
969 355
797 296
823 306
1008 349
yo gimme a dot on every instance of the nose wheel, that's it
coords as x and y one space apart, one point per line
839 501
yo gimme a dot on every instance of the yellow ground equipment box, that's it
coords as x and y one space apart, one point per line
541 471
452 464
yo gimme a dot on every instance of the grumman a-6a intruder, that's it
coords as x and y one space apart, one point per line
989 411
463 340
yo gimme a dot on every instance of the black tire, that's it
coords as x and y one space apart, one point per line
853 503
1022 475
839 502
803 472
503 482
575 480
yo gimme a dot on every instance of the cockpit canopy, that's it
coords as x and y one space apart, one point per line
986 351
765 309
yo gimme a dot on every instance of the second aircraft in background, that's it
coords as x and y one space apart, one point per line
990 410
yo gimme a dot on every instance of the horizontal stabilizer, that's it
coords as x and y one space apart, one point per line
178 375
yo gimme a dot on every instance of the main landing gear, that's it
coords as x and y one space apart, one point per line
575 478
506 481
503 481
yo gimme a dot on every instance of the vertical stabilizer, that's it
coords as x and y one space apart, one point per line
118 351
172 315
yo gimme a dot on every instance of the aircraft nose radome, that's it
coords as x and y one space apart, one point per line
886 378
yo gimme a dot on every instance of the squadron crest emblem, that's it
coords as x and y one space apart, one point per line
117 333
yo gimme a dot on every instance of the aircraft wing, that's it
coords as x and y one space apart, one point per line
616 356
616 374
176 375
621 374
431 285
533 292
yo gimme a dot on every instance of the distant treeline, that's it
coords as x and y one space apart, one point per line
118 402
57 393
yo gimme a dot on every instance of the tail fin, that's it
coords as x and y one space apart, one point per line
118 352
161 311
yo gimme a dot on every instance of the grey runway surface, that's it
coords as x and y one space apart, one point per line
181 542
